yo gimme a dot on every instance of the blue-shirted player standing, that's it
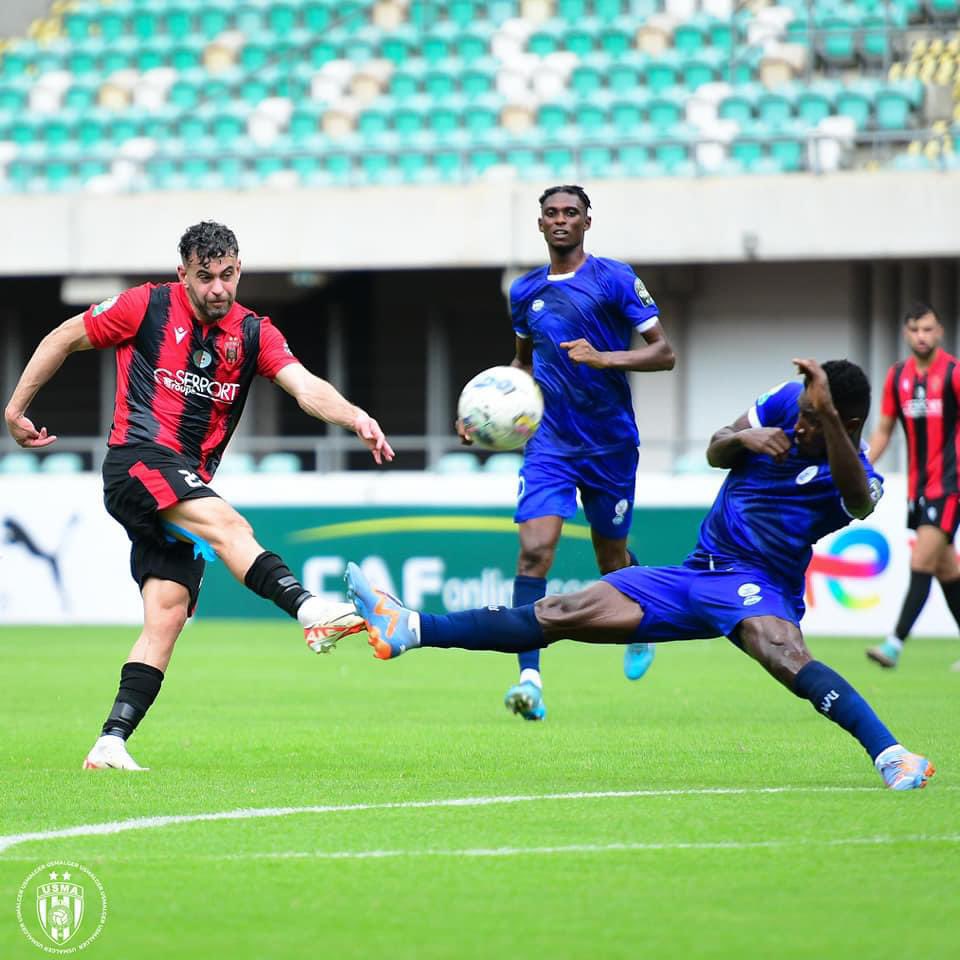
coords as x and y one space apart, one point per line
574 322
797 473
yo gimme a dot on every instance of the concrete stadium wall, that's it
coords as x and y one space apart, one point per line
851 215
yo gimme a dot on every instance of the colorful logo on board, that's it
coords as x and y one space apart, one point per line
859 554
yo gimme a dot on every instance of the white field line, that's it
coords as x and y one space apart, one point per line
152 823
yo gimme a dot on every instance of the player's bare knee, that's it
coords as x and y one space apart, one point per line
535 559
775 644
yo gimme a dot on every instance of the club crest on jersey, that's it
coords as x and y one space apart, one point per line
231 349
807 474
202 358
103 305
536 306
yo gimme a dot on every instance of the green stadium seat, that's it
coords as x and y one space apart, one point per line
473 45
230 172
616 38
358 45
894 104
62 462
249 19
481 159
479 78
816 101
448 166
254 56
663 72
77 25
398 46
703 66
316 17
607 11
690 36
280 461
559 161
590 117
666 110
282 19
228 126
776 108
112 25
413 165
409 119
13 99
463 13
579 39
673 154
626 73
440 81
19 463
178 22
876 47
633 157
443 120
572 10
944 10
456 461
322 52
586 80
788 147
740 104
838 44
407 81
546 39
375 167
747 147
482 115
553 119
722 34
339 166
596 161
912 162
856 101
212 20
438 43
626 115
374 121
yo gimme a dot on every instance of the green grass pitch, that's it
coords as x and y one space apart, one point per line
750 826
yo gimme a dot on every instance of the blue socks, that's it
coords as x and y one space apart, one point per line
832 696
505 629
528 590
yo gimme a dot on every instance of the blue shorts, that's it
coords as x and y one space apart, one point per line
607 483
693 602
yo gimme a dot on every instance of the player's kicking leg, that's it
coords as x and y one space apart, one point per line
229 536
779 646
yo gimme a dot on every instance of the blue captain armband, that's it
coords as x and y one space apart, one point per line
180 534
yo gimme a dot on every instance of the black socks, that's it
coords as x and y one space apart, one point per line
139 686
270 578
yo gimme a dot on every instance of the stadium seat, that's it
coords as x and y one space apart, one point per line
457 461
816 101
776 108
280 461
18 463
894 104
236 462
856 101
61 462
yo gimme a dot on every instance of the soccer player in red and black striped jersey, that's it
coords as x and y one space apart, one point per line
923 393
187 354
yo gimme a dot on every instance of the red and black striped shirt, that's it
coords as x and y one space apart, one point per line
181 383
926 404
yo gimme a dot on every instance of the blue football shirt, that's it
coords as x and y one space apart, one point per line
770 514
586 411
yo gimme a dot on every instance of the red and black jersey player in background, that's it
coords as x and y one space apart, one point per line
187 353
923 393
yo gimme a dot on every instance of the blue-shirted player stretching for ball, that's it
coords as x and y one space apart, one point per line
797 473
574 322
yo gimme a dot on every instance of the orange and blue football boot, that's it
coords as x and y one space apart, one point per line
902 770
388 621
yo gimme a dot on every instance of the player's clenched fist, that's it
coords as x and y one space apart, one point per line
582 351
769 440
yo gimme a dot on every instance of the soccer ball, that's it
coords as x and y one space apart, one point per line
501 408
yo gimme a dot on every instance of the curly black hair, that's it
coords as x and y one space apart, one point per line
849 388
567 188
209 240
919 309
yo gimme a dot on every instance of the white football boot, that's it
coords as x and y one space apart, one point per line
326 622
110 753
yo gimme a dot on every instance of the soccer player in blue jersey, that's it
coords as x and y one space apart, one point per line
574 322
797 473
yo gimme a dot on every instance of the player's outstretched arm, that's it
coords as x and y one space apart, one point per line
880 437
47 359
844 458
655 354
729 443
323 401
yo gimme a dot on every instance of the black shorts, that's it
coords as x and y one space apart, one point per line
138 482
944 513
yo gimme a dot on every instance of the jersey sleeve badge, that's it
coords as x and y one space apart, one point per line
104 305
642 293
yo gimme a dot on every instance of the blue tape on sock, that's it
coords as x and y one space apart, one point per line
200 546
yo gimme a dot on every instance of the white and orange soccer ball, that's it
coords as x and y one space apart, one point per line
501 408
